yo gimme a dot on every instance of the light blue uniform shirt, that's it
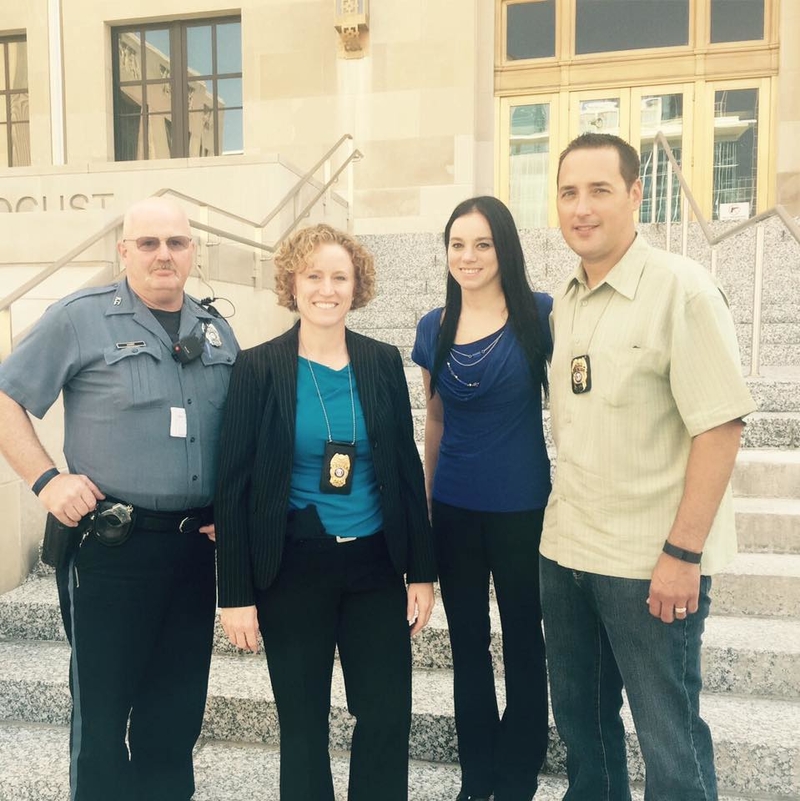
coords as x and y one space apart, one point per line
113 360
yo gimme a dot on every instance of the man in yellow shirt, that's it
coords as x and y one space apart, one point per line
647 400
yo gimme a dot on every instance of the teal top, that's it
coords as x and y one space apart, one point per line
359 513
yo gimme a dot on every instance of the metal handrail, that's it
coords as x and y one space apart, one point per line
777 210
355 155
311 203
57 265
713 240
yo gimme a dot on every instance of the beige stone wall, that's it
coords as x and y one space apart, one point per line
413 102
21 514
419 103
30 17
787 160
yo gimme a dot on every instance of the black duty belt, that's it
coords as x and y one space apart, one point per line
186 521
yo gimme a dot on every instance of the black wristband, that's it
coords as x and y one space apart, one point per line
681 553
44 480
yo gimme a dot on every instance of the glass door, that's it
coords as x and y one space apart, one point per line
527 170
637 115
666 110
604 111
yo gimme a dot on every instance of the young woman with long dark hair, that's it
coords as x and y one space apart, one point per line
484 364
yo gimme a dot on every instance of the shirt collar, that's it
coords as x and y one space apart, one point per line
126 301
624 276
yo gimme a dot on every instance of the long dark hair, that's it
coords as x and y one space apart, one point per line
522 313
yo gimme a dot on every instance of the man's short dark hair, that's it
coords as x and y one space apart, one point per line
628 157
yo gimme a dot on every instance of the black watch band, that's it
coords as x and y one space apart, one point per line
44 480
681 553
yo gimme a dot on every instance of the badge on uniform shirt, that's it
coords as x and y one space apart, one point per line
117 300
212 336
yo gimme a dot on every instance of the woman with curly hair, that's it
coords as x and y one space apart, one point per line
320 514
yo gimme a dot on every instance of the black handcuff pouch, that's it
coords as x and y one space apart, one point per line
113 522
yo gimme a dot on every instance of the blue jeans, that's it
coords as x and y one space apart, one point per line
600 637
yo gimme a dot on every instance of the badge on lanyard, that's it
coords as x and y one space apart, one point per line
337 468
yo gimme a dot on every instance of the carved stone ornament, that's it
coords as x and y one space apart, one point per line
351 20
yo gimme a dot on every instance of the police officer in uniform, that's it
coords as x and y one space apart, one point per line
144 370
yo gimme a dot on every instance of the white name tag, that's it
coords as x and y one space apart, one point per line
177 421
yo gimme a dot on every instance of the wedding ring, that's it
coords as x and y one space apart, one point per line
680 610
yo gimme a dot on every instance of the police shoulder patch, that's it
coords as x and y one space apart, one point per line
88 292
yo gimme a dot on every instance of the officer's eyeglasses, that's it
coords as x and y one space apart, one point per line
150 243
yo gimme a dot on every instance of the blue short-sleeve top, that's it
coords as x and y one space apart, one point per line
492 455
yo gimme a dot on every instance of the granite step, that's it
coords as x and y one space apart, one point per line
774 351
768 525
759 584
776 388
772 430
756 744
744 656
747 655
34 766
767 474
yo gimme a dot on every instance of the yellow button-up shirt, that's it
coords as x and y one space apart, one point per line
665 367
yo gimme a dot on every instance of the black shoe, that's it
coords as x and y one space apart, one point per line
462 796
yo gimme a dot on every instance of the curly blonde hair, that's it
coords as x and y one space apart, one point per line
295 255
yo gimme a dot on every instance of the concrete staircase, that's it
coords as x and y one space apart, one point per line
751 670
752 643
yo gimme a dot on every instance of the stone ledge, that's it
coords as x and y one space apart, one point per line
768 524
767 474
765 585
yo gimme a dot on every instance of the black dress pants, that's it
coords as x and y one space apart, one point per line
497 754
140 619
330 594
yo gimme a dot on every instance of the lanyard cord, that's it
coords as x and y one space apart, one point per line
322 403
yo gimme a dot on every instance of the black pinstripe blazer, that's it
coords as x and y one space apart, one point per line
256 451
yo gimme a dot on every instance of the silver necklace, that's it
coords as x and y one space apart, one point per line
483 353
461 380
322 404
479 356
